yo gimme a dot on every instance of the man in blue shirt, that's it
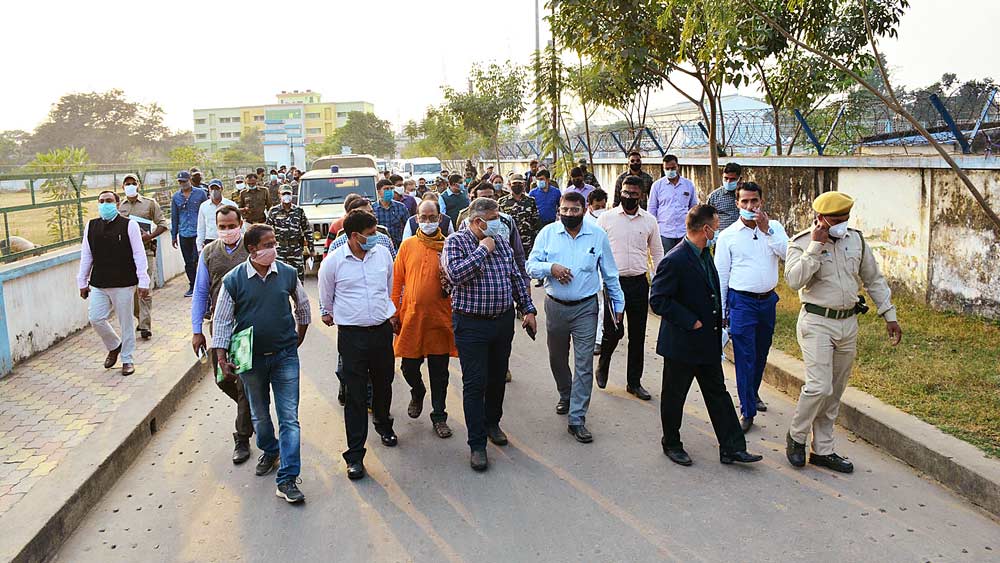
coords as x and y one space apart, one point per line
184 224
390 213
573 256
546 198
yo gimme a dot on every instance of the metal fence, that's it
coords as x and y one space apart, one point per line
46 210
846 126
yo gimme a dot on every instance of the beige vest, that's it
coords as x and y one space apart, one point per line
219 262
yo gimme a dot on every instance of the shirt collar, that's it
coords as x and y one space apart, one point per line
697 252
584 228
251 271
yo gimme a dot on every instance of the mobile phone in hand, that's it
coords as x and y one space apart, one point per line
530 331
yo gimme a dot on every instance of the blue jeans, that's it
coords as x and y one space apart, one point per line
751 328
277 373
484 352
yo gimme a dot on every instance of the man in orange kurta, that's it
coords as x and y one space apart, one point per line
423 316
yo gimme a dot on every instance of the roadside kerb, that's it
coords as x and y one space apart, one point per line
958 465
35 527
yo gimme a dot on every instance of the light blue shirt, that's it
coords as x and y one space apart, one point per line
588 257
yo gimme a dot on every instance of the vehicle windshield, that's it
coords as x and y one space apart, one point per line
315 191
426 168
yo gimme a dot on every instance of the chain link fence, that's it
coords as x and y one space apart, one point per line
47 210
849 126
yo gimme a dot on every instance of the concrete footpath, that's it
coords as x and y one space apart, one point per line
69 427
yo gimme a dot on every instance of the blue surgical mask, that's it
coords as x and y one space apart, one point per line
730 186
387 195
748 215
711 241
672 174
493 228
498 186
369 243
541 184
107 210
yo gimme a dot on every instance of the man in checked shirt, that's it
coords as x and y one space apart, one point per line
485 286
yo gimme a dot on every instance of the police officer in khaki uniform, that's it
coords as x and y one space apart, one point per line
827 266
135 205
254 201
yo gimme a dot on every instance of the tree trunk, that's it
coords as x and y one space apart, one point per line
586 131
713 152
777 129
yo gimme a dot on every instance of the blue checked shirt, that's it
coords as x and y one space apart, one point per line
393 219
483 283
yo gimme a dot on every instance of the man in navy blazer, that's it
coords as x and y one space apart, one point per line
685 293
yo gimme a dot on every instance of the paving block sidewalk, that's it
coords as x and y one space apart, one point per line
52 402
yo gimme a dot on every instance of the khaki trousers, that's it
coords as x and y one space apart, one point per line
143 308
828 350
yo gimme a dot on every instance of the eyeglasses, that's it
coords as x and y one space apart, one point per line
570 210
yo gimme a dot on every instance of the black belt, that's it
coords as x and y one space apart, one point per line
571 303
482 317
352 328
753 295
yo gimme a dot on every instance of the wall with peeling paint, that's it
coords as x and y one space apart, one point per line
927 230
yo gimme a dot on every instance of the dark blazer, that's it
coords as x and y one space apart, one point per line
682 294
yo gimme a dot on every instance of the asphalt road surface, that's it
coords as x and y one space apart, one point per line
545 497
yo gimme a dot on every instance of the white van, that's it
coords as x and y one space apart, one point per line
427 168
323 188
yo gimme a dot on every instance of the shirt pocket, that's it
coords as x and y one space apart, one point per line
853 258
588 260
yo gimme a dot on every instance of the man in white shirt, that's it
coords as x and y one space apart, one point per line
635 244
207 231
355 282
112 265
746 256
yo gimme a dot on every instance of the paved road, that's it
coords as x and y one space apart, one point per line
545 496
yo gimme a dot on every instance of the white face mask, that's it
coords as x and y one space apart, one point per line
286 198
400 190
672 174
839 230
131 190
597 212
428 228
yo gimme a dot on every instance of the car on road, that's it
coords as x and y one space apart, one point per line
323 188
427 168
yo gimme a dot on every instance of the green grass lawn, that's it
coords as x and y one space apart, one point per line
946 371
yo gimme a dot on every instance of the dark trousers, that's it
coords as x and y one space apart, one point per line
669 243
751 328
234 388
636 290
677 377
189 250
484 352
365 351
437 373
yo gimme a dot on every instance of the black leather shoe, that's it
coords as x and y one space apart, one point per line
355 470
795 452
112 358
478 460
832 461
242 451
581 433
602 378
389 439
639 392
761 406
416 406
597 349
739 457
266 463
678 456
562 407
496 436
746 423
145 334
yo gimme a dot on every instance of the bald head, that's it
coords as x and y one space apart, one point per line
427 211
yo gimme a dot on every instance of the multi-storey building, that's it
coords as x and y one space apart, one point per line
298 118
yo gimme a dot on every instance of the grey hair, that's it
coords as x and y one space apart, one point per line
481 206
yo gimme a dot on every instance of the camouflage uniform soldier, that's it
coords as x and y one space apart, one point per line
522 209
254 201
292 229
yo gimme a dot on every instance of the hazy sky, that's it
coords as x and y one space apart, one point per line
185 54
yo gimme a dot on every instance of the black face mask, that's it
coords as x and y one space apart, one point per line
578 182
571 221
630 203
517 188
635 166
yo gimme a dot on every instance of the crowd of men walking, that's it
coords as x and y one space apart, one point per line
431 271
